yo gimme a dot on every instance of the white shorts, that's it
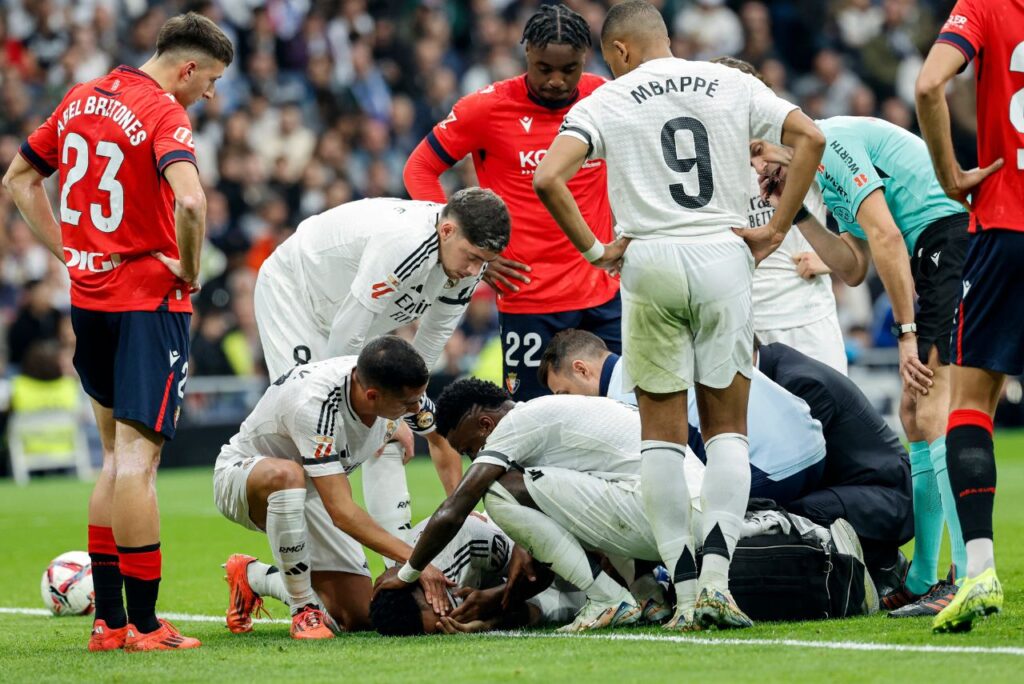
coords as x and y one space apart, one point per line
821 340
604 515
288 333
330 549
686 314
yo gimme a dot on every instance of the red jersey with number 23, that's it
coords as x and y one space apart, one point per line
991 32
508 131
110 140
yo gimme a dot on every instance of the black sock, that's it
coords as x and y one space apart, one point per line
141 569
107 582
971 462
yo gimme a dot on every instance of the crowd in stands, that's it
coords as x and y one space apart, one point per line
327 98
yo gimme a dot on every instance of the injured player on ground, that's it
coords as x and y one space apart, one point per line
560 475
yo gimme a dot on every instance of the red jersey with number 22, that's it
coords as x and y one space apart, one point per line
508 131
991 32
110 140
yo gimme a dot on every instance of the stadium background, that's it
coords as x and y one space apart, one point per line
323 104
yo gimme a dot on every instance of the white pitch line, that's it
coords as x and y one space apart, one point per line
652 638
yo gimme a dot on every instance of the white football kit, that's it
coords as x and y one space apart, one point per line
675 135
306 416
787 308
352 273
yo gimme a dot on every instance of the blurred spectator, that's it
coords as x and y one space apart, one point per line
859 21
832 81
37 320
712 29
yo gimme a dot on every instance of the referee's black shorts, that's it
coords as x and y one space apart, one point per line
937 265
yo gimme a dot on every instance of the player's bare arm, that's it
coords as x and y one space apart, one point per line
564 159
189 221
442 528
943 62
893 265
26 187
447 462
807 142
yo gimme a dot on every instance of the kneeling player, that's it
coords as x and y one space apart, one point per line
285 473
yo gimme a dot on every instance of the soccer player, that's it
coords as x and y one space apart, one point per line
988 334
366 268
286 474
477 560
876 180
674 134
817 446
792 294
543 284
130 229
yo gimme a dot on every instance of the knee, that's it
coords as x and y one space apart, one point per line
134 464
281 474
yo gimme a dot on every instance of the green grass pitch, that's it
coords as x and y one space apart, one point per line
47 518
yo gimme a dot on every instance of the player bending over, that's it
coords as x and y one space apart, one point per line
674 134
364 269
286 474
543 283
989 332
878 184
478 561
132 218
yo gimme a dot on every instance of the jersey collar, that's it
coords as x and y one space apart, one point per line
547 104
137 72
606 373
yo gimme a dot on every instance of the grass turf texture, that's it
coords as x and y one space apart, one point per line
47 518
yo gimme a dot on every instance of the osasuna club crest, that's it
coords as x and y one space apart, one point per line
512 382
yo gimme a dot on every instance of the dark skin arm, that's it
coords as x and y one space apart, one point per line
446 522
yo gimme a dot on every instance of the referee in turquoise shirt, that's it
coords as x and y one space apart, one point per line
878 182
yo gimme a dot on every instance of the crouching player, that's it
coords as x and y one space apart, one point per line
286 474
478 561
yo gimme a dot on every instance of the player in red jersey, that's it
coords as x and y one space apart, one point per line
130 229
544 285
988 337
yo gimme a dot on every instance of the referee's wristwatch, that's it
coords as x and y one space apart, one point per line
901 329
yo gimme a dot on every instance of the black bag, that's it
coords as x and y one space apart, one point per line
779 577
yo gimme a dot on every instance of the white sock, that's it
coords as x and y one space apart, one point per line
551 544
666 501
724 496
266 580
386 493
286 529
981 556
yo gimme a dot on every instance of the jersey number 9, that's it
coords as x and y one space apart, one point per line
701 159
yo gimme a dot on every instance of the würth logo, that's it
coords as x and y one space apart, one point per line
380 289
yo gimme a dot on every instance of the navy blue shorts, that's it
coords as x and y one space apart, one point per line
788 489
134 362
989 329
525 336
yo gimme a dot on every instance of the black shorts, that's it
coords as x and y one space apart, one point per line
525 336
134 362
936 264
989 328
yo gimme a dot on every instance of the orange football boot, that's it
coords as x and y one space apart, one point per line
167 638
106 638
311 623
243 601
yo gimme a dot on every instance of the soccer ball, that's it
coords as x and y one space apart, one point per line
67 584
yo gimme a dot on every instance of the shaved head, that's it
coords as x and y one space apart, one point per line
633 21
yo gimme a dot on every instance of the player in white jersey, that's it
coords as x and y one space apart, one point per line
675 136
286 473
579 433
477 560
364 269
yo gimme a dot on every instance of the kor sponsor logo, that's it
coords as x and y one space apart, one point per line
94 262
529 159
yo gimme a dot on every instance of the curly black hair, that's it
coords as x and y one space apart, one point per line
556 24
461 396
394 612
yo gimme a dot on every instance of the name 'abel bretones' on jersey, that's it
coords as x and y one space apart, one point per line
359 270
307 416
108 224
667 175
